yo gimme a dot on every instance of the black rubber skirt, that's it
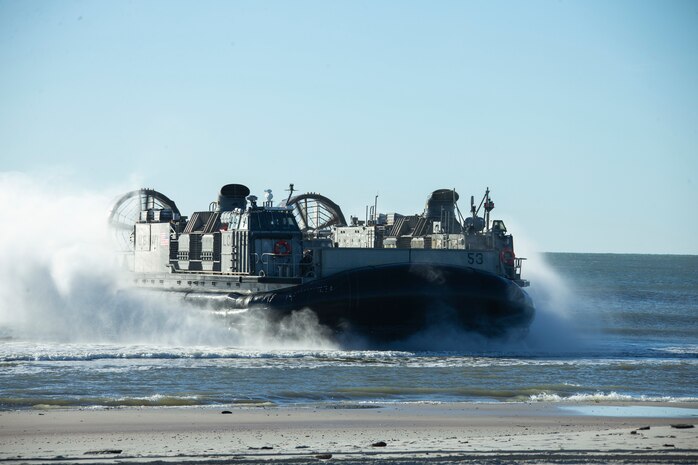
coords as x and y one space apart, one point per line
392 302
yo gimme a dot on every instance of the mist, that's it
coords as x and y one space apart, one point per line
61 281
556 328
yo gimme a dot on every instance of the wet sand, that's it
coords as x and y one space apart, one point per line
392 434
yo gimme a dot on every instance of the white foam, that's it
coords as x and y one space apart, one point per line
689 349
606 397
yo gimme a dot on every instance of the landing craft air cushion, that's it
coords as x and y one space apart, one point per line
386 277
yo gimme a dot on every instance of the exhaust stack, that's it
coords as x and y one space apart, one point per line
233 196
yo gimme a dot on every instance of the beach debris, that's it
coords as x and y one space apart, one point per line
669 445
323 456
226 412
633 432
103 452
643 428
379 444
682 426
302 447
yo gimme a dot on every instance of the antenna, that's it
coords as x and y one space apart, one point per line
375 209
489 206
290 191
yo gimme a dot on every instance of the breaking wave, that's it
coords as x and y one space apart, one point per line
606 397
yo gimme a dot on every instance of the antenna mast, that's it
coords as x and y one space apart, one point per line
290 191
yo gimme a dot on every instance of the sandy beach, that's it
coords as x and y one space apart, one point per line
389 433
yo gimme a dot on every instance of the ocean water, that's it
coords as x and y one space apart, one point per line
608 327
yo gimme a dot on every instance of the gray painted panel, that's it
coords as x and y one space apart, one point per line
482 260
156 256
335 260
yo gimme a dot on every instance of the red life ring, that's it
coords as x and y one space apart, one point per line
507 257
282 248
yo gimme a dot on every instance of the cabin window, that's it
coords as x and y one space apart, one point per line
275 221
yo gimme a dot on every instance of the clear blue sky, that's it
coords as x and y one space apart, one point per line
581 116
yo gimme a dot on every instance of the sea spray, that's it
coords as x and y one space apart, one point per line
61 281
556 328
300 330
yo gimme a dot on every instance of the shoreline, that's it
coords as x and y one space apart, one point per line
541 432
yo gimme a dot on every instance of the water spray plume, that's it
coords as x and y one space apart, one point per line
555 328
61 281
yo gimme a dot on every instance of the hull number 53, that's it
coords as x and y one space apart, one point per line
475 259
